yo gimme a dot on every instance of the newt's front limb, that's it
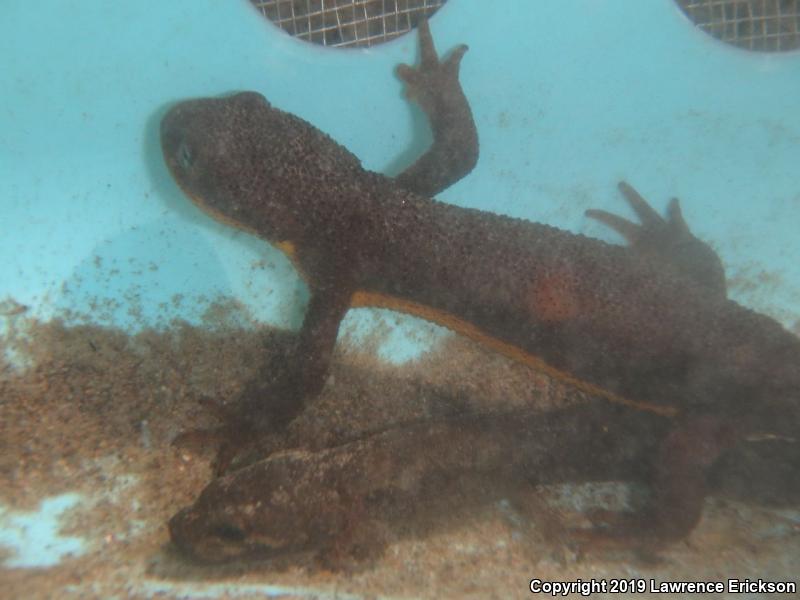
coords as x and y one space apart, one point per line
434 85
307 367
285 385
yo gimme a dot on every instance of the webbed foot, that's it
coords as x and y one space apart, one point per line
668 241
435 86
433 80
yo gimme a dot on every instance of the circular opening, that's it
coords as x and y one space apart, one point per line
760 25
347 23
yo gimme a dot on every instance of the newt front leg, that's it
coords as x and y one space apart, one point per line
286 384
435 86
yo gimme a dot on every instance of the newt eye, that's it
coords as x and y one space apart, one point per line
229 532
184 156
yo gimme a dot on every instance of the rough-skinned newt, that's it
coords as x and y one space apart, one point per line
332 503
647 326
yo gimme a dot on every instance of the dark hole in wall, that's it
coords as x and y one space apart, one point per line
347 23
760 25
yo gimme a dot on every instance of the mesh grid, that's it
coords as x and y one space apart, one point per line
343 23
763 25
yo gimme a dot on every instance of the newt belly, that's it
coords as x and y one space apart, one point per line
648 325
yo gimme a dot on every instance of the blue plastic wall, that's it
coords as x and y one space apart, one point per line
569 97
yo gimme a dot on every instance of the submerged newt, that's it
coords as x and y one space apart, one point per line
646 326
343 501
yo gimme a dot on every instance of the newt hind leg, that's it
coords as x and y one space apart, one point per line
679 488
668 241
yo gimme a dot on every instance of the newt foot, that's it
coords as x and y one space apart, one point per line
435 86
427 83
668 241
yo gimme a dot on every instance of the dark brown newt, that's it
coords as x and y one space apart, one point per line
338 503
646 326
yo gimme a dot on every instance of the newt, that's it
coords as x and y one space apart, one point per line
647 326
340 505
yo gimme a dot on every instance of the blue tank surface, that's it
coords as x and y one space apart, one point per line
569 97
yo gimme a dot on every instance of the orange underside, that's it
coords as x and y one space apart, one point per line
371 299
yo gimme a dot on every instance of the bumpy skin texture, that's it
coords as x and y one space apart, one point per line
647 326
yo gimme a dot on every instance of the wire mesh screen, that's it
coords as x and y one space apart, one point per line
764 25
347 22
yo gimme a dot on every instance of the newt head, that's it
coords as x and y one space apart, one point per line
259 512
251 165
220 527
204 542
